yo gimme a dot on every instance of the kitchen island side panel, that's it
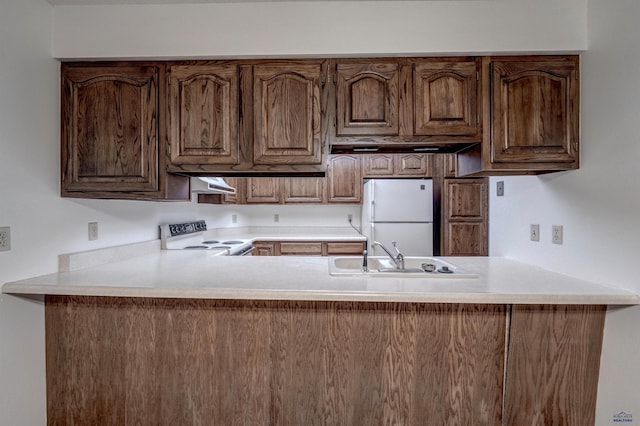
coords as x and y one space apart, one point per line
186 361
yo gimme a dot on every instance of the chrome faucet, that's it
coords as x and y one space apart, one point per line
398 259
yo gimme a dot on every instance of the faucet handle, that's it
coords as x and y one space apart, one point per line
395 246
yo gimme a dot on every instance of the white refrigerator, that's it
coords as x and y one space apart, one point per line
399 210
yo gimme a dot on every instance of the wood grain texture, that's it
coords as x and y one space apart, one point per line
344 179
179 361
553 362
447 97
204 108
110 134
465 217
367 99
287 117
535 111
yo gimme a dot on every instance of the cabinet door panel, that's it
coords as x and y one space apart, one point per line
344 177
110 131
203 114
465 239
535 115
446 98
304 190
378 164
367 99
263 190
413 165
466 199
287 114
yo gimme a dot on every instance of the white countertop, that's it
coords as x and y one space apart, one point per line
198 274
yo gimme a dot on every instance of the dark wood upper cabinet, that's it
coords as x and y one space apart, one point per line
407 102
532 117
204 114
287 117
535 114
367 99
344 179
111 135
446 98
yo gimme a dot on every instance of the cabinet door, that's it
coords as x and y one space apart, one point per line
110 128
446 98
378 164
413 165
265 248
301 248
344 177
204 114
287 124
336 248
535 111
304 190
367 99
465 217
263 190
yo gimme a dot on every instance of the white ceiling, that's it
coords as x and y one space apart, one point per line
111 2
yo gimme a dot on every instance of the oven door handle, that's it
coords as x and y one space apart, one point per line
246 252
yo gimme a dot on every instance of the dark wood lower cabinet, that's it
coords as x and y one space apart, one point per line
126 361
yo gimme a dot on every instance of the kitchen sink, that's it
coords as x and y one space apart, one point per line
382 266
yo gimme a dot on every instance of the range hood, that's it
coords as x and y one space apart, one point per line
214 185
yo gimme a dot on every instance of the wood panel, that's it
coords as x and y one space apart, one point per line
446 97
304 190
552 365
344 248
263 190
465 217
287 116
113 361
203 115
301 248
344 179
367 99
535 115
110 133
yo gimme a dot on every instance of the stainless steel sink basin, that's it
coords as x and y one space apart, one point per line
381 266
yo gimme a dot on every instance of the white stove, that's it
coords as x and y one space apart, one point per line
193 236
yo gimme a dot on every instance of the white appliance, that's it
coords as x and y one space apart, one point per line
194 236
399 210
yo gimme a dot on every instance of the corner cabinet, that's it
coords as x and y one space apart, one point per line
532 117
112 144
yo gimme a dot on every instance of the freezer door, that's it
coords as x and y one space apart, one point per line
402 200
413 239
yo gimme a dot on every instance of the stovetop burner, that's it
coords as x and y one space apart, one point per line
233 242
211 242
196 247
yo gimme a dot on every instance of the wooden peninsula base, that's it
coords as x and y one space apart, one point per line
152 361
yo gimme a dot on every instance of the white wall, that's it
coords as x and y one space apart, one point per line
599 205
319 28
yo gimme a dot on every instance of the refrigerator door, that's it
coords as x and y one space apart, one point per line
413 239
401 200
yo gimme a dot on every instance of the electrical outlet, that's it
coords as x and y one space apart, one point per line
93 231
556 234
5 238
500 188
349 217
535 232
234 218
276 217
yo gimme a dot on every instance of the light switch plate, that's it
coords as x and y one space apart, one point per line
534 232
500 188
